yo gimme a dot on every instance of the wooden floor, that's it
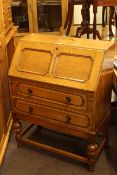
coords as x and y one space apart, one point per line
104 32
32 161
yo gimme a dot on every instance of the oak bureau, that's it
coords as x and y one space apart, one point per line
63 84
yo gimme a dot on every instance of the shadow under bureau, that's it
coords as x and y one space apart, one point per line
63 84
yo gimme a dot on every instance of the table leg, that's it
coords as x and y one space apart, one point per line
85 29
112 9
85 21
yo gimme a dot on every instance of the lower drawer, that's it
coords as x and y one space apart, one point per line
46 112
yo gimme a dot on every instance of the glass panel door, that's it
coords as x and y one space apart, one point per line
20 15
49 15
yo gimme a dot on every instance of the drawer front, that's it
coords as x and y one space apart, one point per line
81 120
79 100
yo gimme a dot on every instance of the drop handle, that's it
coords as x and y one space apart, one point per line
68 119
30 110
68 100
29 92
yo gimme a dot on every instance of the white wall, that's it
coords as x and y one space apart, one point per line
78 17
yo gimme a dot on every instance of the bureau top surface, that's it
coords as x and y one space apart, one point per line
70 41
64 61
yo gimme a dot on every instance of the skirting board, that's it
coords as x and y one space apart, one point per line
5 139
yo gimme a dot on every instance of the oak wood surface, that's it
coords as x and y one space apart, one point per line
7 35
55 97
107 2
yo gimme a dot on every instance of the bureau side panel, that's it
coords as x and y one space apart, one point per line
102 99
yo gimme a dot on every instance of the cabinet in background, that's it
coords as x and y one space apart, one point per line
7 47
5 117
39 15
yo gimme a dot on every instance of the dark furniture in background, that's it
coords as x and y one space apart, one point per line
86 16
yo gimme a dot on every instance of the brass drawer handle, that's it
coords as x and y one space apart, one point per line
68 119
30 110
68 100
29 92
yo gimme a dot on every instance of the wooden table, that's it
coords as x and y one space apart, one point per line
84 29
105 3
85 22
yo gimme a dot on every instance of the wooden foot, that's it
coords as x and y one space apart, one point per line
91 151
81 31
111 34
17 127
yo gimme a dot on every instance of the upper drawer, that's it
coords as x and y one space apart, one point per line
56 96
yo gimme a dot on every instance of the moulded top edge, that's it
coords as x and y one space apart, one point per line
70 41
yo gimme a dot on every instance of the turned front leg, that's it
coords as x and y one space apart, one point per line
91 152
17 127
